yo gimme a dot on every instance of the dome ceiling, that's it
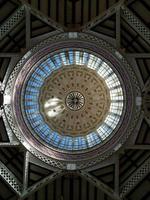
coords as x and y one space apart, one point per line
74 105
65 132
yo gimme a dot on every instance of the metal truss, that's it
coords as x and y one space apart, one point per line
136 23
28 27
121 11
12 138
42 17
25 11
27 192
111 40
138 55
140 146
118 28
36 161
99 184
10 179
115 9
117 175
132 139
110 161
9 144
135 178
108 13
15 57
22 188
26 170
30 42
11 22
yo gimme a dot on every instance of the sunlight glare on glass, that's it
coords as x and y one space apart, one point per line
54 107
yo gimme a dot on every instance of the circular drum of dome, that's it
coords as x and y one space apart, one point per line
52 88
70 99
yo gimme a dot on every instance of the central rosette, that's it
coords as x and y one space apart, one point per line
74 100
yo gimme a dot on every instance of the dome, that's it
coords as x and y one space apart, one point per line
70 95
73 100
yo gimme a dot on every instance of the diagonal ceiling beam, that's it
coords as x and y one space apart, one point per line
112 10
26 193
136 23
9 144
117 175
26 170
104 37
118 28
109 161
28 27
132 61
44 36
43 17
140 147
135 178
134 135
10 178
11 22
15 57
130 2
36 161
11 55
138 55
10 133
99 184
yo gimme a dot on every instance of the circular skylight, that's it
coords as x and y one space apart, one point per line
46 114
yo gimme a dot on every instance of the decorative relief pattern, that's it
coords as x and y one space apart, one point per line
75 100
86 82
